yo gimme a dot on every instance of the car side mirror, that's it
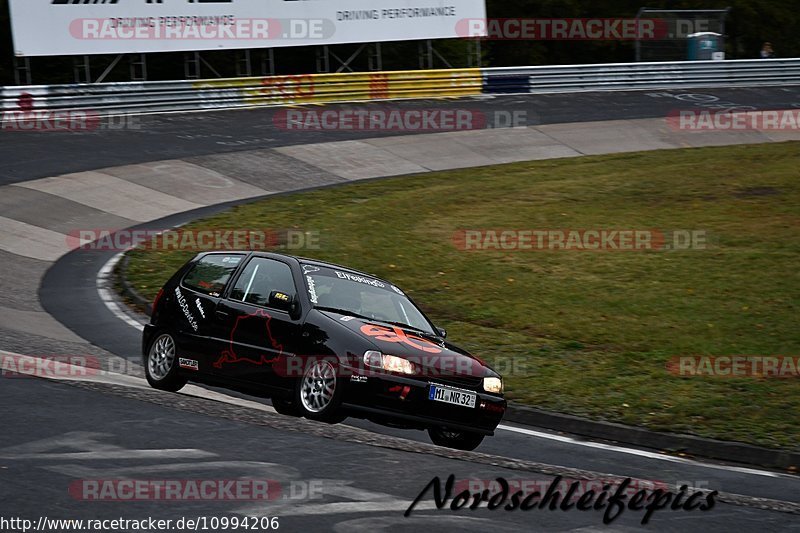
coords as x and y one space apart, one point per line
442 332
281 300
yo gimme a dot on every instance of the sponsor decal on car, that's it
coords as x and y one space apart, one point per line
185 308
189 364
397 335
359 279
281 296
229 356
312 290
200 307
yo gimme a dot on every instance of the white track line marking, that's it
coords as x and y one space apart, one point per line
11 362
642 453
106 293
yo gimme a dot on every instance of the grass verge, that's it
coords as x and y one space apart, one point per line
585 332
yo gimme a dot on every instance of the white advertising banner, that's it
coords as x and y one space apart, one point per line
85 27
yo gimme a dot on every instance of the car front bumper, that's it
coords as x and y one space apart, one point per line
406 400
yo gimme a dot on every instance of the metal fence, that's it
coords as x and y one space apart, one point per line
198 95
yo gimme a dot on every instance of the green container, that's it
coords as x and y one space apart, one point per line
705 46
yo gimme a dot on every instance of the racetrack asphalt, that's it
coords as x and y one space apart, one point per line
29 155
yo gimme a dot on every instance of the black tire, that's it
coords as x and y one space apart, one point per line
459 440
318 393
161 364
286 407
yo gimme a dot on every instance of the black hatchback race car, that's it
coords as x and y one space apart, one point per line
322 341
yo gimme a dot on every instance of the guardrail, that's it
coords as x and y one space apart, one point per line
628 76
153 97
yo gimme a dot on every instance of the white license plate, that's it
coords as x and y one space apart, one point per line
438 393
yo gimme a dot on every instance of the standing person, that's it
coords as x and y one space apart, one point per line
767 52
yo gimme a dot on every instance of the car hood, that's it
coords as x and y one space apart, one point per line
432 354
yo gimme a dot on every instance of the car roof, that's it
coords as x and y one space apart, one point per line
317 262
304 260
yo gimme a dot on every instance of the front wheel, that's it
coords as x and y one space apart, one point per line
318 395
459 440
161 365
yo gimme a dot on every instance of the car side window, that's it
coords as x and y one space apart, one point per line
259 278
211 273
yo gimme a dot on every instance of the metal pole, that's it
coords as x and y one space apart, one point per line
375 58
268 63
323 59
722 29
244 65
638 37
22 65
429 53
474 58
141 74
191 65
82 69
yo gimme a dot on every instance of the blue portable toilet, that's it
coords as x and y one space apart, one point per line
705 46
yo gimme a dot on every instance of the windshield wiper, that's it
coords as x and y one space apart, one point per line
341 311
409 326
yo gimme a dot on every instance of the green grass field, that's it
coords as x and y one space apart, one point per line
585 332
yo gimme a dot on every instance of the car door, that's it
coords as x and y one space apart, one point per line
261 338
196 298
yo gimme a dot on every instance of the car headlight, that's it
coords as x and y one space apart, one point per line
389 363
494 385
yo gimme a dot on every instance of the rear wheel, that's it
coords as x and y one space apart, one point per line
318 395
161 365
459 440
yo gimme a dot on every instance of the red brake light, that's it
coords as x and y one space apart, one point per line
158 297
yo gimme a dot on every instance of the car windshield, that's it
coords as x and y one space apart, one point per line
362 296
